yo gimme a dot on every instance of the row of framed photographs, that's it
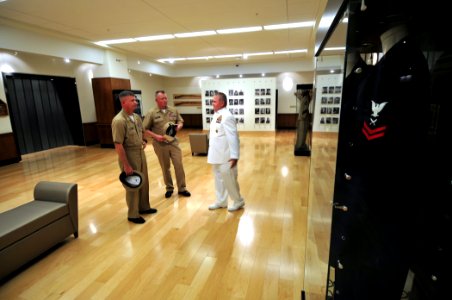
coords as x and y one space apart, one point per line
241 101
234 111
329 120
330 100
332 89
262 101
235 93
232 102
241 120
241 111
210 93
329 110
232 92
262 111
262 120
262 92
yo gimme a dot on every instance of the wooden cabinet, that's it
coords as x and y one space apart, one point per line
105 105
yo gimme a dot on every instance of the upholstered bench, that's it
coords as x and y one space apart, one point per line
30 229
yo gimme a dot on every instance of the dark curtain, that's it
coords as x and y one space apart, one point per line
45 112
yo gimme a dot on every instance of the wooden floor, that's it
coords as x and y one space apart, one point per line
274 248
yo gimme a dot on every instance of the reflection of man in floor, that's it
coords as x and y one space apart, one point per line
304 96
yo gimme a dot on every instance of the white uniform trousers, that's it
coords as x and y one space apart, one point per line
226 184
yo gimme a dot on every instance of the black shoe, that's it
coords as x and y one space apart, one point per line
185 193
148 211
139 220
168 194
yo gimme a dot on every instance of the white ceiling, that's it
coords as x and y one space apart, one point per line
89 21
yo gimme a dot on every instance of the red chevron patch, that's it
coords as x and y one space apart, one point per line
375 133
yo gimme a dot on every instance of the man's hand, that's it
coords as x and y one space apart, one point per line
128 169
233 162
161 138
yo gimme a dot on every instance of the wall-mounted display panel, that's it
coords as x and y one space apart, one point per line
251 100
328 103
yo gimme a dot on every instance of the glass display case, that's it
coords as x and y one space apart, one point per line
391 209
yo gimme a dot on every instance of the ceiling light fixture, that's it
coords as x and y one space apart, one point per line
333 48
199 58
239 30
205 33
171 60
155 37
118 41
243 56
227 56
195 34
258 53
289 25
292 51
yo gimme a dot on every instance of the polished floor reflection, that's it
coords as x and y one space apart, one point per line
184 251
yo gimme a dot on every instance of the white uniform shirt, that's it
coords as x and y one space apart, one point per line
224 141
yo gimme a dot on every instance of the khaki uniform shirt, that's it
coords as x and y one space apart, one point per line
156 119
126 132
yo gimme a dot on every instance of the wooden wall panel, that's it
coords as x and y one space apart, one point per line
192 121
105 105
90 133
286 121
10 152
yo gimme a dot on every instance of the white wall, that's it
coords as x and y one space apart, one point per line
147 85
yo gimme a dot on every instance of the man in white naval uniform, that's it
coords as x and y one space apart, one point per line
223 154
